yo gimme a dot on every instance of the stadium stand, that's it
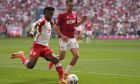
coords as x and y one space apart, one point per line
17 13
110 17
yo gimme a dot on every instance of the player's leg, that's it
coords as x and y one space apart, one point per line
74 47
19 54
62 52
87 36
62 49
29 63
61 56
75 53
91 35
32 62
34 54
58 66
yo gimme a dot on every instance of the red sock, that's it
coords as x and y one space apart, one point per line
50 65
60 71
23 58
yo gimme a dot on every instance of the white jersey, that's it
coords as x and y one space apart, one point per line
43 31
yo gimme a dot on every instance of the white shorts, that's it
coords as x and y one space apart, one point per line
72 43
89 33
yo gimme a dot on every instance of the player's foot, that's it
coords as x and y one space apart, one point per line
50 65
17 54
62 81
66 75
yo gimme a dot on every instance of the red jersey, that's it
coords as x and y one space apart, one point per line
67 22
88 25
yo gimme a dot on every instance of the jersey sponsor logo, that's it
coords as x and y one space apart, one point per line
70 21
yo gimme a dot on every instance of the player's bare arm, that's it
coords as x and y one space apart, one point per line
52 23
83 19
57 28
33 28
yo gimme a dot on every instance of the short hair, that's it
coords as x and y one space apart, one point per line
49 8
68 1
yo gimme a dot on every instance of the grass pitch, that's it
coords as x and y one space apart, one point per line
103 61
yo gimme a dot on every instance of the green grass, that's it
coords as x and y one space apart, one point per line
103 61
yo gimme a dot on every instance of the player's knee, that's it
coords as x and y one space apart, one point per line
61 58
55 61
30 66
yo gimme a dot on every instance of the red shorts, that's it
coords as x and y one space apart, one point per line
39 50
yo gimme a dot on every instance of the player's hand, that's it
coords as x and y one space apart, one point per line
52 23
65 38
31 35
84 18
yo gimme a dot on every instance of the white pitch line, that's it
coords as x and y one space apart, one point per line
89 72
76 71
106 74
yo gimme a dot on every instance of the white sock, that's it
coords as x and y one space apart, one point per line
69 67
58 64
88 39
26 62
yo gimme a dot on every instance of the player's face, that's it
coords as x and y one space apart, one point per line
69 6
49 14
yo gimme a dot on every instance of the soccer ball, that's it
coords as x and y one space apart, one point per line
72 79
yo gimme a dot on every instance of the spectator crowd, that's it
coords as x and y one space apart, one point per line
109 17
16 14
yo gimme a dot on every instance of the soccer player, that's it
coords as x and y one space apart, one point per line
40 46
79 33
89 31
65 27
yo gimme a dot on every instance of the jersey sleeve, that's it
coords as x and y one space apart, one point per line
59 20
41 21
36 24
33 25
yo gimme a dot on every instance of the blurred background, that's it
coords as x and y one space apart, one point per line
102 61
109 18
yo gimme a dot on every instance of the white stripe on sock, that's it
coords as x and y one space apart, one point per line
26 62
58 64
